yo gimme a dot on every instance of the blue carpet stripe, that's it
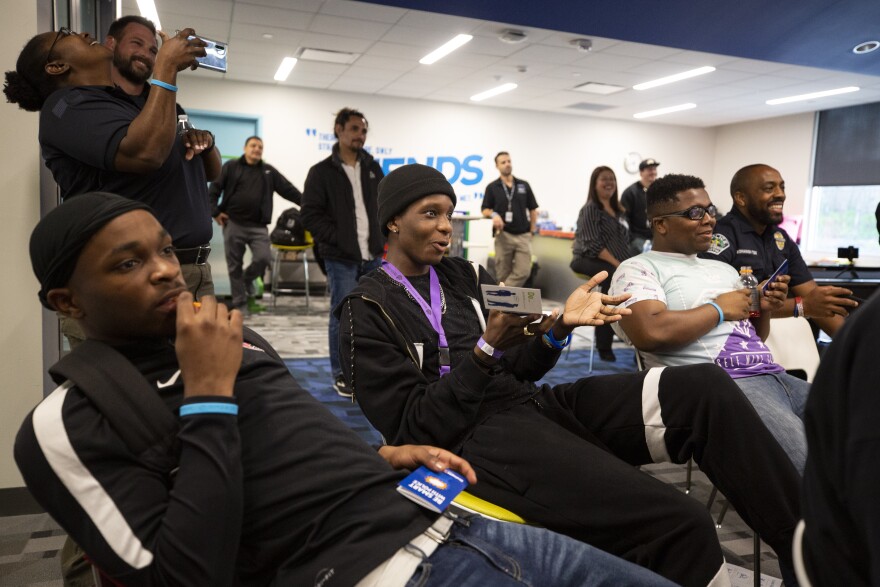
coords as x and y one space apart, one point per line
313 374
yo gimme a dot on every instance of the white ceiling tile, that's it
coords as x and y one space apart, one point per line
335 43
396 51
280 36
311 6
341 26
357 71
372 61
362 11
609 62
358 85
641 50
272 17
428 20
546 54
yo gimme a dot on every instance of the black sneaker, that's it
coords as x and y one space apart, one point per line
607 355
341 387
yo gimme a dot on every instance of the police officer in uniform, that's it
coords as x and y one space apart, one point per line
750 235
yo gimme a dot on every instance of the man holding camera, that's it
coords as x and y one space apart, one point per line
750 235
133 41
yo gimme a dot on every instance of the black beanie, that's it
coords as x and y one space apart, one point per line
61 235
405 185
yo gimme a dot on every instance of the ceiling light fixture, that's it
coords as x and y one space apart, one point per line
661 111
866 47
674 78
148 10
801 97
285 68
493 92
445 49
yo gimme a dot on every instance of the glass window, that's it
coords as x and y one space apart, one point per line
841 216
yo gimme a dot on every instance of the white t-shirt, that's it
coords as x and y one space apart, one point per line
683 282
362 221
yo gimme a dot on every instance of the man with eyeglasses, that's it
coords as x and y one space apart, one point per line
688 310
750 235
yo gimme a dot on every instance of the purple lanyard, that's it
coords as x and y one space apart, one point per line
433 312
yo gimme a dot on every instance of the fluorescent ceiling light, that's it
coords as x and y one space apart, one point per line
444 50
285 68
801 97
493 92
661 111
148 10
674 78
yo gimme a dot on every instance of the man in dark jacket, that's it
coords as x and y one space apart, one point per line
262 484
247 185
339 209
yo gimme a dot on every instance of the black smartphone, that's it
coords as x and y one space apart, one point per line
781 270
215 57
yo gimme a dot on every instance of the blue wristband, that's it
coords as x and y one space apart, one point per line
209 408
161 84
720 312
555 343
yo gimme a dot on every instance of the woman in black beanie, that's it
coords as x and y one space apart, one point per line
429 365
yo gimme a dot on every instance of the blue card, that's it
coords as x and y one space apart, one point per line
431 489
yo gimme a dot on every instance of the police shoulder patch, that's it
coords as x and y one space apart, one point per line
780 240
719 244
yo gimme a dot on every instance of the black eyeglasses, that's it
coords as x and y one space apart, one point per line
693 213
62 32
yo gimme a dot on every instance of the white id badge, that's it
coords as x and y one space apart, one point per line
508 216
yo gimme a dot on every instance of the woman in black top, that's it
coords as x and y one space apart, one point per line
601 241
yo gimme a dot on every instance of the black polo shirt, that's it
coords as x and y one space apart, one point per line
736 243
521 198
635 202
80 132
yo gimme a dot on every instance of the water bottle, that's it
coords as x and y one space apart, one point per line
183 124
747 278
647 246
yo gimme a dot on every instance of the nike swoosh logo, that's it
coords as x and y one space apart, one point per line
171 381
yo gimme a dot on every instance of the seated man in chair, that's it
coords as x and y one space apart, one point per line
687 310
261 485
429 365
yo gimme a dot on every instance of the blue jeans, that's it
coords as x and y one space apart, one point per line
500 554
342 277
779 399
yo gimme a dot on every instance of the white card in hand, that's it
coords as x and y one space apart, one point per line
518 300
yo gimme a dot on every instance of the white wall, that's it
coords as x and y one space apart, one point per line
556 153
20 335
785 143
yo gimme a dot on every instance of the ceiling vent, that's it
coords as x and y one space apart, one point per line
512 36
582 45
598 88
325 56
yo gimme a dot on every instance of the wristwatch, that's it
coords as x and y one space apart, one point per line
489 349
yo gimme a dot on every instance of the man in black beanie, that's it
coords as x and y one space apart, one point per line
428 363
262 484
